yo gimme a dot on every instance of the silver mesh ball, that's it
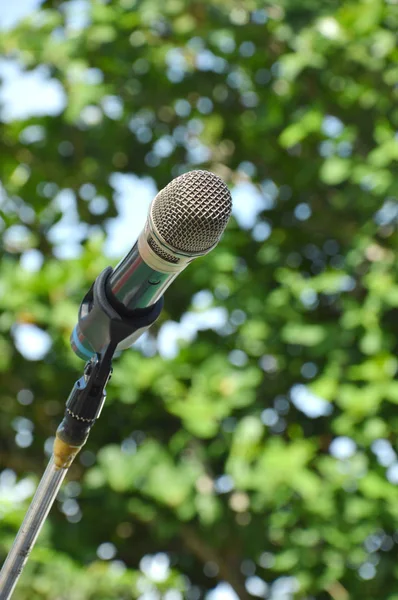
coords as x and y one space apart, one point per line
192 211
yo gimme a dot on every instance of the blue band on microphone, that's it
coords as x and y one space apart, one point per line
79 346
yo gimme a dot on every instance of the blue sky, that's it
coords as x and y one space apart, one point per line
12 12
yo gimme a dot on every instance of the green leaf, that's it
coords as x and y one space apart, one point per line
335 170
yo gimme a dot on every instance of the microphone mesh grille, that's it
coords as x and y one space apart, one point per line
192 211
162 253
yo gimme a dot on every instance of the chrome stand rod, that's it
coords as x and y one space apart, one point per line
30 528
83 407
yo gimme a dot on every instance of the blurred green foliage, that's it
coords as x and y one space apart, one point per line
264 451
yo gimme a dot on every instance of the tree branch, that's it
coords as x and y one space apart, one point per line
204 552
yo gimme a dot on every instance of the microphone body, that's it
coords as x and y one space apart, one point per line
136 284
186 220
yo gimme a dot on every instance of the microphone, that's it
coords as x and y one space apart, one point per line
186 220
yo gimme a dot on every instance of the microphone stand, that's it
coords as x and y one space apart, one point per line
88 395
30 528
83 407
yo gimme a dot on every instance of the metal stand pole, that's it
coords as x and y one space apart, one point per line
30 528
82 409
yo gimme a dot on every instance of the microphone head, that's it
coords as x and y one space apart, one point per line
192 211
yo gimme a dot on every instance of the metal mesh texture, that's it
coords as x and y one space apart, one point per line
192 211
162 253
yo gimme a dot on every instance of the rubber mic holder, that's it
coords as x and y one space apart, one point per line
107 327
98 309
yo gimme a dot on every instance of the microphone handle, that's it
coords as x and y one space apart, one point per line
134 284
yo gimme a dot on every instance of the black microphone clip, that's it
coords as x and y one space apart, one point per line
103 320
104 327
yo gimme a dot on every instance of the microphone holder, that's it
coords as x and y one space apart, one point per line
83 407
